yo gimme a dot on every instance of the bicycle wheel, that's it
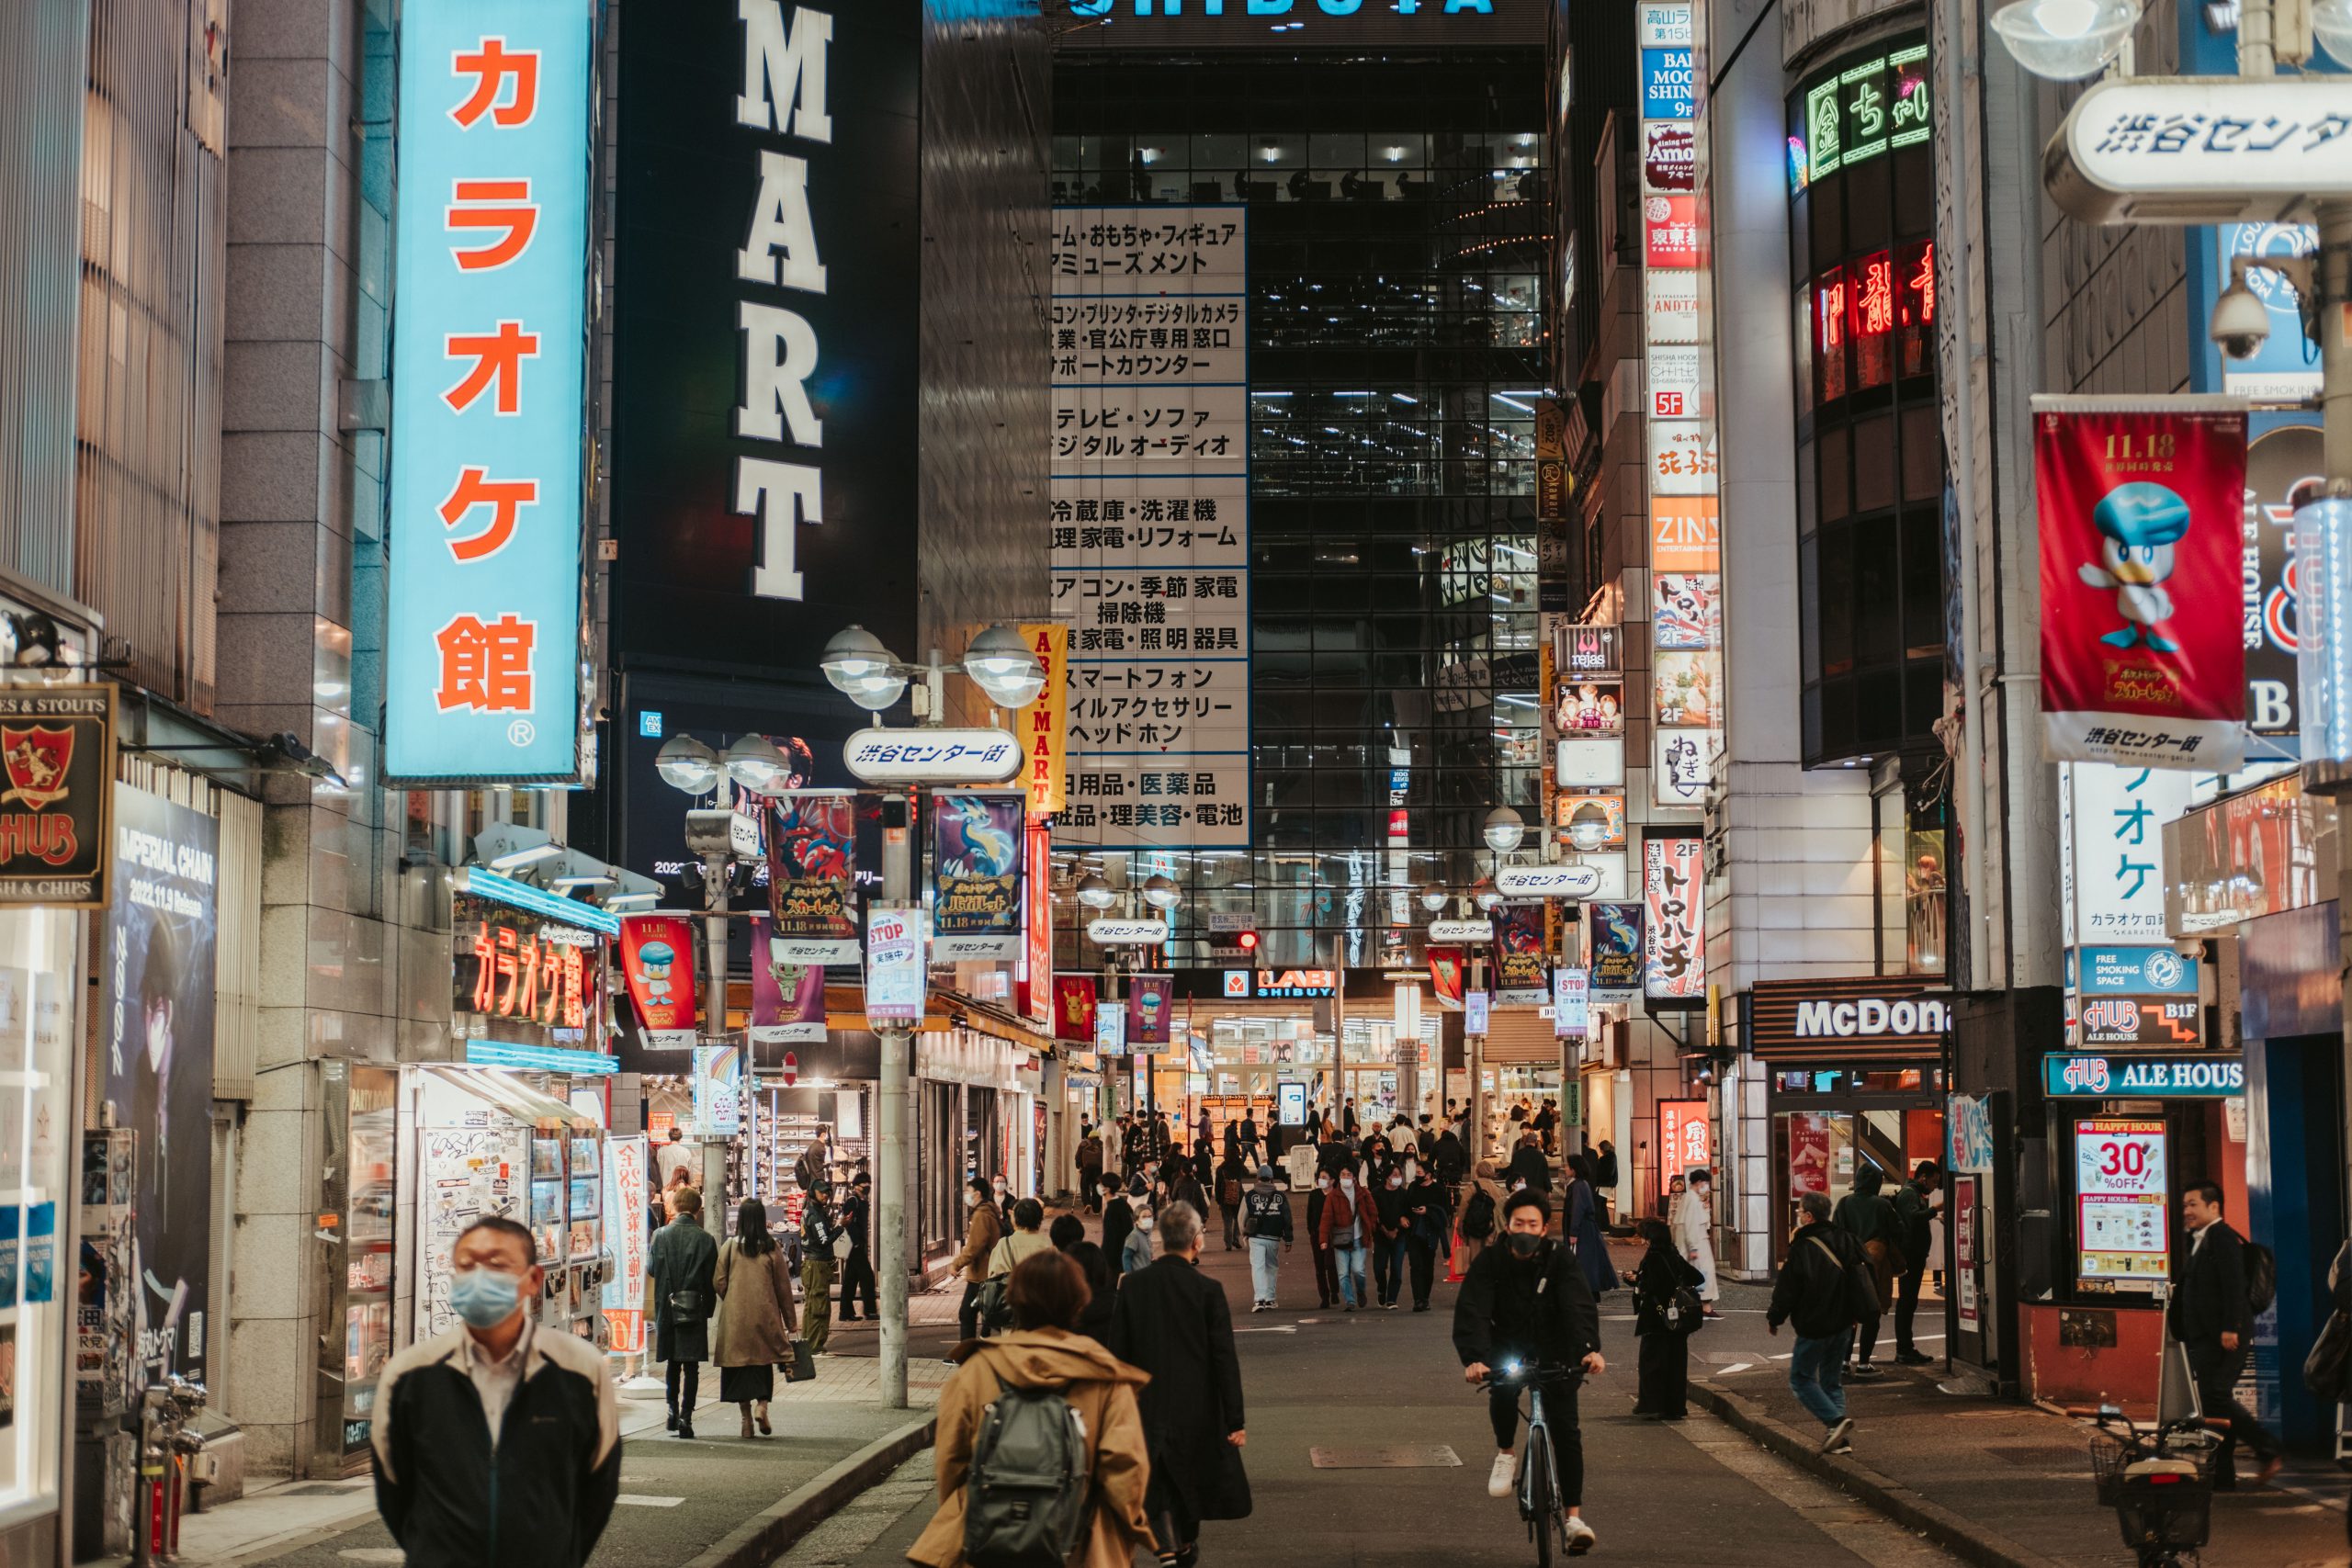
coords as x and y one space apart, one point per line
1541 1506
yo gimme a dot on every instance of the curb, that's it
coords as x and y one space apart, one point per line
1962 1538
766 1536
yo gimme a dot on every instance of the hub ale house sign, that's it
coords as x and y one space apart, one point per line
765 340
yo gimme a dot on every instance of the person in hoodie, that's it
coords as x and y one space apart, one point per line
1049 1293
1135 1255
1346 1229
1393 1244
1428 1224
1118 1220
1664 1386
1326 1273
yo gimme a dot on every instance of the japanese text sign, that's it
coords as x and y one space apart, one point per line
489 391
977 861
2110 832
514 968
895 975
658 961
1044 725
1571 1003
2122 1197
1674 947
2142 512
1683 1139
2184 149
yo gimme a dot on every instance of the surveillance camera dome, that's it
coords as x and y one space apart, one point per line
2241 322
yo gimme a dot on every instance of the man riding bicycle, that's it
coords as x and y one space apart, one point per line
1526 1303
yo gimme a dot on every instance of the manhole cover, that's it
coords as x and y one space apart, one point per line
1432 1457
2036 1456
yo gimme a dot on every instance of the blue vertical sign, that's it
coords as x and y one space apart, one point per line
483 650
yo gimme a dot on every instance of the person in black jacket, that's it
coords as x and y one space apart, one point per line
857 1271
1390 1248
1118 1219
1172 1321
1094 1320
1664 1386
1526 1303
1915 1210
1266 1222
496 1442
682 1261
2213 1317
1820 1291
1428 1227
1527 1164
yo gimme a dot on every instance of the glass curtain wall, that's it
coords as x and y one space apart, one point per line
1397 219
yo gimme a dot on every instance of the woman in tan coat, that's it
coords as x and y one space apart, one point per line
1047 1292
755 1316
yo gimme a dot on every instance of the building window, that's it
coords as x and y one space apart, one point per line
1869 451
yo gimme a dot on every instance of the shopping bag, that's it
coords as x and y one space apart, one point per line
801 1366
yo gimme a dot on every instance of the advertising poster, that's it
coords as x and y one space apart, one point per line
895 974
1686 689
156 1027
57 752
1037 970
812 878
2284 468
1687 609
2121 1196
1111 1031
1616 935
1044 725
778 1019
1682 762
1674 951
1686 532
625 1197
977 842
1149 1009
1522 972
1074 1007
718 1101
2141 513
1477 1012
658 961
1445 975
1808 1154
1592 707
1683 1139
1571 1003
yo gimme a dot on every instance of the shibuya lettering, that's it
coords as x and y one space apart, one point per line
1871 1015
784 91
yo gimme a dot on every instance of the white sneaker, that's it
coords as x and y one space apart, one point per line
1840 1439
1578 1535
1504 1477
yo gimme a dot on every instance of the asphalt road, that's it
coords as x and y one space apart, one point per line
1673 1497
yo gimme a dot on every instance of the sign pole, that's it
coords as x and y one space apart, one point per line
897 1150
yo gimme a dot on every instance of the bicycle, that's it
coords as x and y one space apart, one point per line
2159 1482
1539 1476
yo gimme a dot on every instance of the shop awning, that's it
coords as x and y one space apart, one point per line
511 1096
845 1010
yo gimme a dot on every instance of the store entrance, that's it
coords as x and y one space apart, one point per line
1831 1124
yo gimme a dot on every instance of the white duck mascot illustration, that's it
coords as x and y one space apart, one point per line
2142 522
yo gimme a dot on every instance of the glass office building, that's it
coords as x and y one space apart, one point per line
1396 209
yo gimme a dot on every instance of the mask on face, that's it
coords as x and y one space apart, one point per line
1000 1189
1395 1181
1349 1182
1143 1222
1517 1182
1523 1245
1323 1181
484 1298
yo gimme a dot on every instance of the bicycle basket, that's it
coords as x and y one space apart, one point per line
2171 1504
2109 1455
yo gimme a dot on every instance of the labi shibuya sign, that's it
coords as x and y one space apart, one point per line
765 328
1240 24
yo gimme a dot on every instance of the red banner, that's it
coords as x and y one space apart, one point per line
1035 987
658 957
1684 1139
1074 1008
2140 510
1446 974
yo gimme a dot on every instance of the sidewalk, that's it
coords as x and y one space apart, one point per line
718 1502
2003 1484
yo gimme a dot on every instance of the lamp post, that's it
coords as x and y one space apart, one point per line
858 666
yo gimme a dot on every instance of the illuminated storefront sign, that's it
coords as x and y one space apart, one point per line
489 379
1884 1017
1861 111
2076 1076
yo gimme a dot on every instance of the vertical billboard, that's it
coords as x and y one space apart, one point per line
1674 919
2141 510
976 866
156 1028
1044 725
490 392
766 354
658 966
1150 527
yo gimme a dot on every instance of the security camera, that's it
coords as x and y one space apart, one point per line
2241 322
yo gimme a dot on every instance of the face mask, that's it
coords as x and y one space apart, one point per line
1523 1245
1323 1181
1349 1182
1143 1222
484 1298
1395 1181
1000 1189
1517 1182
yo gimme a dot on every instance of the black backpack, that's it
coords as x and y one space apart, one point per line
2261 1278
1478 1216
1025 1502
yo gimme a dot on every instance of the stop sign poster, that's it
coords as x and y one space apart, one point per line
2141 510
2121 1201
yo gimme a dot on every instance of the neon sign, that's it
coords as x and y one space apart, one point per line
1860 111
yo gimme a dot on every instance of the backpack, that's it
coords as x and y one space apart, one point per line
1478 1217
1683 1312
2261 1278
1025 1502
1230 1194
994 1306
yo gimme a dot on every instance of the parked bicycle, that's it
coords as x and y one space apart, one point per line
2158 1481
1539 1474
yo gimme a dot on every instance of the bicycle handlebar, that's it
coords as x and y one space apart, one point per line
1523 1376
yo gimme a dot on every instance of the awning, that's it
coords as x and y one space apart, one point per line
510 1097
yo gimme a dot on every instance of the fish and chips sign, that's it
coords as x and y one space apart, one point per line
57 749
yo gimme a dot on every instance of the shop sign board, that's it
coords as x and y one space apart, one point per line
627 1194
1290 1103
2131 971
1547 882
1461 932
1681 762
2136 1020
1968 1132
2111 849
1298 983
1038 971
2207 1076
1571 1003
2201 149
1593 761
1110 932
1685 1139
1964 1232
2142 506
933 756
1674 953
511 967
489 389
2283 466
1044 725
1663 24
1588 651
57 745
1871 1016
2123 1220
895 971
1669 163
1668 89
657 962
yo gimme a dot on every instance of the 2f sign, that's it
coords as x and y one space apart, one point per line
784 95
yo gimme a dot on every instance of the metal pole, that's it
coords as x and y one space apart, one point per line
715 869
2335 319
895 1119
1477 1069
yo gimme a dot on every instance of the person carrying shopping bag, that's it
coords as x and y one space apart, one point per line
756 1318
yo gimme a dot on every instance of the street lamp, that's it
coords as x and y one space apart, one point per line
2066 41
1434 896
861 670
1004 666
1161 893
688 764
2332 24
755 763
1504 829
1484 893
1096 892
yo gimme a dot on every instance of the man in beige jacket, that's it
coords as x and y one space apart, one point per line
983 1228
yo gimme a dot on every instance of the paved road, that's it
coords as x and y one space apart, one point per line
1671 1497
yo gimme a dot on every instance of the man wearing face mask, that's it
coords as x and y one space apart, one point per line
1349 1221
1326 1273
1527 1302
1394 1245
493 1442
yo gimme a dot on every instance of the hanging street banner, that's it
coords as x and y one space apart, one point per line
812 878
58 746
1149 1010
482 640
2142 506
1674 937
895 974
1074 1007
1571 1003
658 961
1616 931
976 877
1044 725
778 1019
718 1099
1522 969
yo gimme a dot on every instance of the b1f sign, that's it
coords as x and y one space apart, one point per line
489 391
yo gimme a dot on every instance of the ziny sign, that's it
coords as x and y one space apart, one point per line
2205 1076
490 389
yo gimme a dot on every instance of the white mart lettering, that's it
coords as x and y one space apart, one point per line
1871 1015
784 94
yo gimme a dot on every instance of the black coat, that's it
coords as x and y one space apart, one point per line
1539 1311
682 1258
2210 1300
1452 1160
1661 1269
1604 1168
1185 1190
1172 1321
1816 1292
1527 1163
1332 1157
1118 1219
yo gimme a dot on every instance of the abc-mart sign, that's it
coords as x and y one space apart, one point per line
1872 1016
